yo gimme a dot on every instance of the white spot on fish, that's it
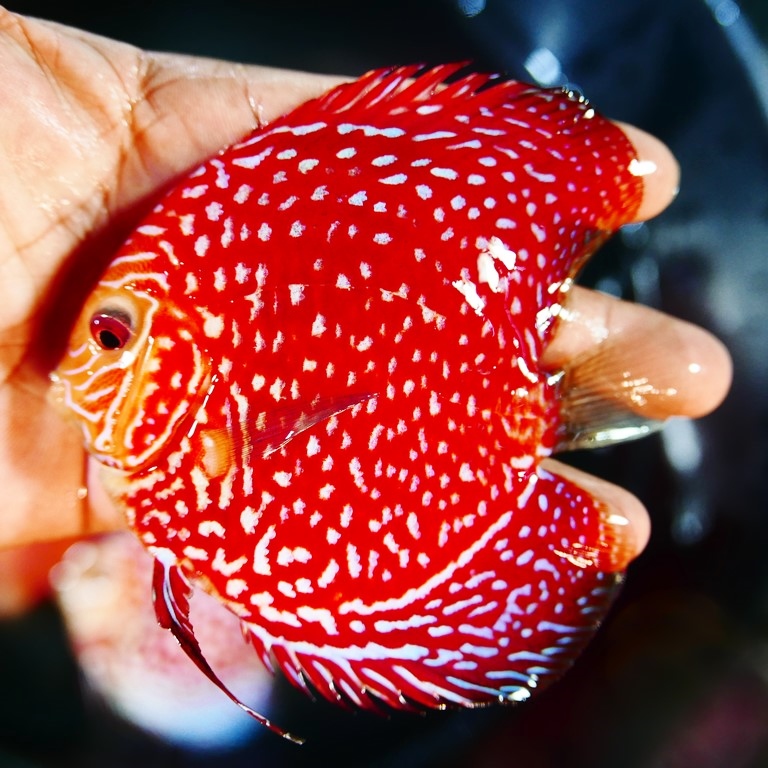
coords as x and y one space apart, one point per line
370 130
261 564
398 178
329 574
152 230
444 173
195 192
228 235
303 130
318 325
308 164
283 479
276 390
211 527
241 273
213 211
254 160
538 232
202 244
287 556
195 553
468 289
187 224
434 135
213 326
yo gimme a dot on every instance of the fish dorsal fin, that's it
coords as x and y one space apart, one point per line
393 88
171 592
428 94
451 108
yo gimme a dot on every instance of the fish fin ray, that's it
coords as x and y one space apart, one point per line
589 420
388 92
603 400
171 593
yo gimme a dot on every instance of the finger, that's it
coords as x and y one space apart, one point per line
628 526
658 168
637 358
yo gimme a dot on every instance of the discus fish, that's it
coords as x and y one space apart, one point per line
312 376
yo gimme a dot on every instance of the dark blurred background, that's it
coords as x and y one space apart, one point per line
678 676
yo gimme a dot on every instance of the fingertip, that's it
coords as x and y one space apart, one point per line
638 359
627 525
708 371
657 167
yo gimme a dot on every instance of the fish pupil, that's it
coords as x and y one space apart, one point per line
111 330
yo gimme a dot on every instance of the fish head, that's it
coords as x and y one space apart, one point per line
133 372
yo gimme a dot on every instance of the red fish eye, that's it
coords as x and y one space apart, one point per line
111 330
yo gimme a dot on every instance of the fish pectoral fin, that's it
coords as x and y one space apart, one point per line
606 397
170 593
273 429
593 420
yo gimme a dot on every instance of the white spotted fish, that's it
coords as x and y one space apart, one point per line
312 375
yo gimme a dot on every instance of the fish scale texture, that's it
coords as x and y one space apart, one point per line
333 411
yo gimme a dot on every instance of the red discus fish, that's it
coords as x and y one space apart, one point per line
312 375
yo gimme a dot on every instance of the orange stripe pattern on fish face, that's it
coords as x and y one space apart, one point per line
322 350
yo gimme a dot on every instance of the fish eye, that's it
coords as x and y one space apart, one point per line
111 329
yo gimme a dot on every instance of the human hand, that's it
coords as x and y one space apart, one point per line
98 130
92 131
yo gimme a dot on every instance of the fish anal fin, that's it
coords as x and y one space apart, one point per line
171 593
